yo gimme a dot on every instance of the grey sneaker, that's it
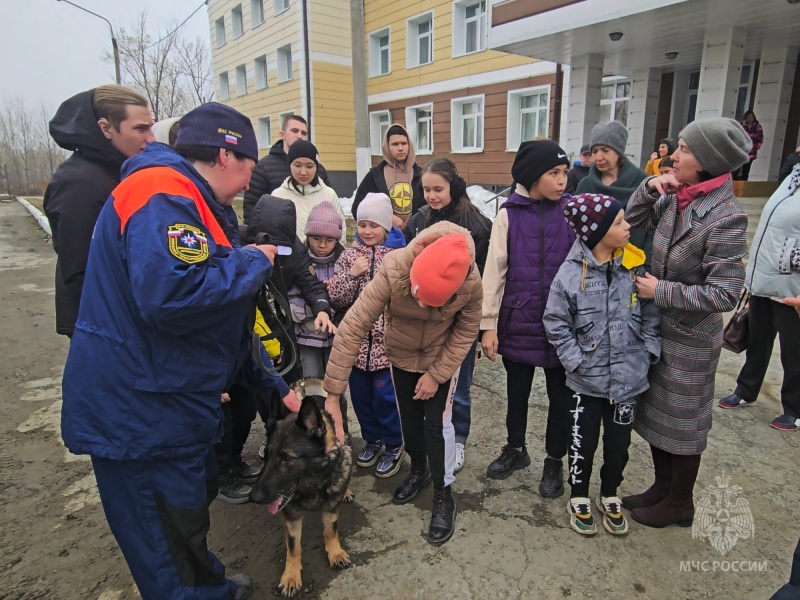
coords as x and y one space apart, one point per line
390 462
246 472
460 457
233 490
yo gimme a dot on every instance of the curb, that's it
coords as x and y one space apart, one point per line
37 214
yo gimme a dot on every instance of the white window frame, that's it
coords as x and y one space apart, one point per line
616 80
262 124
412 125
692 92
514 115
375 133
457 120
282 116
280 6
241 80
375 50
748 85
261 72
237 21
285 69
224 86
460 27
219 32
413 39
256 10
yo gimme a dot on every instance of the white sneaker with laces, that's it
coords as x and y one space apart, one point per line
460 458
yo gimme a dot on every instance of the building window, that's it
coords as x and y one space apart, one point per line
241 80
466 124
283 116
419 33
237 22
614 100
528 116
691 96
224 86
264 132
281 5
469 26
745 85
256 12
285 72
219 29
380 62
378 124
260 72
419 120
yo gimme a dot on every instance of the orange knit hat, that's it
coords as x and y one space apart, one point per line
439 270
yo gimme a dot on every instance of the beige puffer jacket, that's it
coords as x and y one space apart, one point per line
421 340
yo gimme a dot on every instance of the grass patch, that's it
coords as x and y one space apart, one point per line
37 201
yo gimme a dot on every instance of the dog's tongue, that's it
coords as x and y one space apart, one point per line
274 507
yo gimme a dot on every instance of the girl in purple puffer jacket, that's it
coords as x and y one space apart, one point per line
371 386
530 240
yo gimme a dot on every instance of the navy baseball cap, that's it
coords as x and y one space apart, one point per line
214 124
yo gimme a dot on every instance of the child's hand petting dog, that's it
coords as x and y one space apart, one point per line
291 401
335 411
324 324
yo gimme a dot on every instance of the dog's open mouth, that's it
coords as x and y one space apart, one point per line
280 502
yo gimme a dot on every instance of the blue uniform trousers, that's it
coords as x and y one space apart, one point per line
158 512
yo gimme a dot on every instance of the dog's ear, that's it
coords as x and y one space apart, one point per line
309 418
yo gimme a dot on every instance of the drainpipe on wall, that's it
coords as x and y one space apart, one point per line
559 92
307 61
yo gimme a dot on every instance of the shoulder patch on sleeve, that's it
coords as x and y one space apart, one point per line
187 243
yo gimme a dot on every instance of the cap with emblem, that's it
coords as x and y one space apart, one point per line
219 126
536 158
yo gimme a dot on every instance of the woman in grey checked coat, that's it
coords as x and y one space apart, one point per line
697 274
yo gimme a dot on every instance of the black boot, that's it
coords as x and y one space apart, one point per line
443 516
552 483
418 478
662 465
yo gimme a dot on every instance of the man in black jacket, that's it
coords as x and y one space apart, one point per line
102 127
580 169
397 176
272 170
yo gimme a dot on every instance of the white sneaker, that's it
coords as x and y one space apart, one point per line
460 458
262 449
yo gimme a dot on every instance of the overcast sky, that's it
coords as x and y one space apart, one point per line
52 50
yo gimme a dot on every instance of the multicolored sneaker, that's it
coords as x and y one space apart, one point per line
580 516
613 519
390 462
369 455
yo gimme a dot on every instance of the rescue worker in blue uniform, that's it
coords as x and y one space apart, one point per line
164 328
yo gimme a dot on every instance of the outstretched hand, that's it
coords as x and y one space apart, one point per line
324 324
291 401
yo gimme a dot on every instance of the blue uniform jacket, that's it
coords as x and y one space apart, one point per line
163 321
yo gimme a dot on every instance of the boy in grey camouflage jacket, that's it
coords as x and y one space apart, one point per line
606 339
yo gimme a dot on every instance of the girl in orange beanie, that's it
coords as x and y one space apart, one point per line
430 294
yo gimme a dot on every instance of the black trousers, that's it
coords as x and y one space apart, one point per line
586 414
239 414
519 381
428 430
768 318
743 172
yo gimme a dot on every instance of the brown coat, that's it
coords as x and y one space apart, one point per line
697 256
421 340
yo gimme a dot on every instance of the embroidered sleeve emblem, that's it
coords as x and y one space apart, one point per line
187 243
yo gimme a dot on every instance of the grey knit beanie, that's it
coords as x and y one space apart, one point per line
719 145
613 134
376 207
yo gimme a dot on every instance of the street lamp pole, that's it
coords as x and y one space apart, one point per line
114 44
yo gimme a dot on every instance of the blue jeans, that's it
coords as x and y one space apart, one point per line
462 401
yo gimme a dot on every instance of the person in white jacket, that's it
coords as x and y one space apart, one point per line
304 187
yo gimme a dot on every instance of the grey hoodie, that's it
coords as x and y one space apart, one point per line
605 336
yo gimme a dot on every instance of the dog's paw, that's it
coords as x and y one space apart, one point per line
339 559
290 584
349 496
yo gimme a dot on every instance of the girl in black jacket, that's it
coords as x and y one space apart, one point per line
446 197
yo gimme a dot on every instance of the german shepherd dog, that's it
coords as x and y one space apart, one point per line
306 470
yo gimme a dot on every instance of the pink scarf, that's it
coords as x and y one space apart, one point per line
686 194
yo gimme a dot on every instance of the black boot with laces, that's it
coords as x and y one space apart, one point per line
418 477
443 517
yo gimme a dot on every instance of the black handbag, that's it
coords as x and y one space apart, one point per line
734 337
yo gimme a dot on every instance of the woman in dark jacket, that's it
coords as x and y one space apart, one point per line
698 274
446 197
